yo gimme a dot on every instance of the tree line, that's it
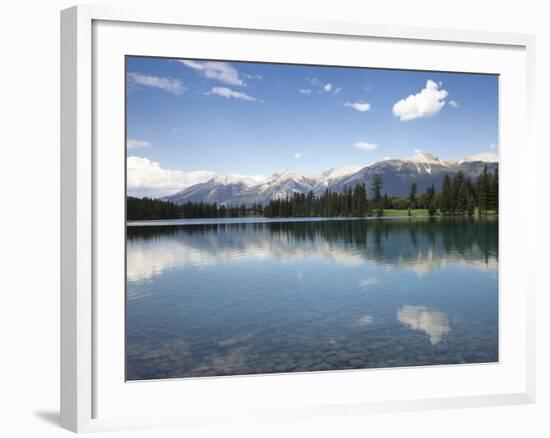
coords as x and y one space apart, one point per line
149 209
459 195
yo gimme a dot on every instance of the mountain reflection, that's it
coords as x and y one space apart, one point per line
418 244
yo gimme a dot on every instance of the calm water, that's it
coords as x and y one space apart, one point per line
229 298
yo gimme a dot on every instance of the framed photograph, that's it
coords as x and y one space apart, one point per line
284 218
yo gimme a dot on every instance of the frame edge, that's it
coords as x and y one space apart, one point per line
75 212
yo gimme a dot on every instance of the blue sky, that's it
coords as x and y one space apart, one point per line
219 118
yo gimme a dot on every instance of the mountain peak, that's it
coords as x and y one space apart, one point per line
487 157
284 174
424 157
234 179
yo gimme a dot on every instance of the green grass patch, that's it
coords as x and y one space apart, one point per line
414 212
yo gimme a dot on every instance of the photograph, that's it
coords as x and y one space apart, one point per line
296 218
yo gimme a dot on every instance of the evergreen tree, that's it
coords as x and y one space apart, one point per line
471 205
412 196
386 200
493 192
376 190
447 196
430 200
462 197
483 187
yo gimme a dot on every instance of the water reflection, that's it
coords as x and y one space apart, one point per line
218 299
432 322
421 245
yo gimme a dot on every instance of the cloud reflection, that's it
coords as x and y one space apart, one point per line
367 282
385 243
366 320
432 322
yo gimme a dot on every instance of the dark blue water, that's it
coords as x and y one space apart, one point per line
229 298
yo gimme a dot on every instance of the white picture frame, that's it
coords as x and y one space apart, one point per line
85 376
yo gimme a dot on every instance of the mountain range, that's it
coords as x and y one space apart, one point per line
398 175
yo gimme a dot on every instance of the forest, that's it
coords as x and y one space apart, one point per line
458 195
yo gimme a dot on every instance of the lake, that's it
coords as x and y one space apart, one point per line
227 297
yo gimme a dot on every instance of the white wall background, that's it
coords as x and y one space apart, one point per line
29 215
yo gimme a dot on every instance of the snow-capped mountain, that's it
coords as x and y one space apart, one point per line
398 175
488 157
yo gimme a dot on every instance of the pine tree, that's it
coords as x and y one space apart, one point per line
430 200
483 187
493 197
376 189
471 205
462 198
412 196
447 196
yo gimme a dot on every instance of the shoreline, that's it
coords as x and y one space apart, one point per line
255 220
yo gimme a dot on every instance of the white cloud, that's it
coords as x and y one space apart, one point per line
133 143
418 151
454 104
315 82
220 71
365 146
252 76
173 86
492 146
298 155
324 87
229 93
358 106
426 103
147 178
305 91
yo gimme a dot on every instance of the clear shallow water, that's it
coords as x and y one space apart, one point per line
230 298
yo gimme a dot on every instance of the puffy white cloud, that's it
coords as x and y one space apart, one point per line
221 71
229 93
147 178
327 88
359 106
454 104
337 90
428 102
298 155
365 146
133 143
418 151
173 86
492 146
305 91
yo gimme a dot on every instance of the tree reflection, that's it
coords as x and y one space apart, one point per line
387 241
